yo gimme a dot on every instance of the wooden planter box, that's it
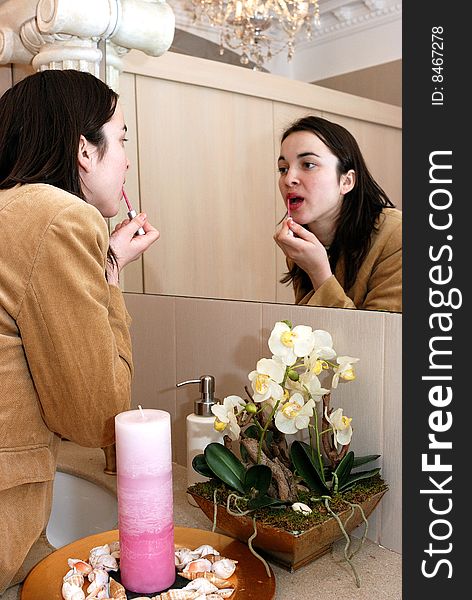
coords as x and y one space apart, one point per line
288 550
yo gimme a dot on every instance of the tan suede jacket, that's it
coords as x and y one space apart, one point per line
65 352
379 282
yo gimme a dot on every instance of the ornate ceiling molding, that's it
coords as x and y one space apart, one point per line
338 18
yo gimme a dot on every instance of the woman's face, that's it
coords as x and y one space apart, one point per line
309 181
103 178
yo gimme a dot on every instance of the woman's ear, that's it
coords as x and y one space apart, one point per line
84 155
348 181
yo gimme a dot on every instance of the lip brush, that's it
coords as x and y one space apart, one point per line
289 216
131 212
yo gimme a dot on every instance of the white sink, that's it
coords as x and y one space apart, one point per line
79 508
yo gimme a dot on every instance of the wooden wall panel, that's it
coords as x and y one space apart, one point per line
5 78
206 172
381 147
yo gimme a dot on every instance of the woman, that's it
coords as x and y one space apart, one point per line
65 350
342 236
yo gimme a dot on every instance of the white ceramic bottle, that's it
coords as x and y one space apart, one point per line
200 430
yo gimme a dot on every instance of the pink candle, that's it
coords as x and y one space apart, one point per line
145 500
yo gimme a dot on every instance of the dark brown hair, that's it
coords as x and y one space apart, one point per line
41 120
360 208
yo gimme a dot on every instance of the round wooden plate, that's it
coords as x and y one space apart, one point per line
250 580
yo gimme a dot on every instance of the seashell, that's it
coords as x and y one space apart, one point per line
104 561
99 551
101 593
201 565
117 591
74 578
225 593
302 508
224 568
99 579
72 592
205 549
183 556
201 585
115 549
99 575
182 594
213 558
79 565
220 583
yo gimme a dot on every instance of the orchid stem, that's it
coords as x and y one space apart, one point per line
261 439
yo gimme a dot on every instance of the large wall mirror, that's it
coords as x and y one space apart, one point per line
204 146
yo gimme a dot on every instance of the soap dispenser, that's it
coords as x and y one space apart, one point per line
200 430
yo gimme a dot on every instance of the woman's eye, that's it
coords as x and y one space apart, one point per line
282 170
309 165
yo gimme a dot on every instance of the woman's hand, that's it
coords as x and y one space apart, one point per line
305 249
128 246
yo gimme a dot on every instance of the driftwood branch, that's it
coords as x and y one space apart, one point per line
284 483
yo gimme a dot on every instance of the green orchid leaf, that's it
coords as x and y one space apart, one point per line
310 452
225 465
269 438
300 455
356 477
258 477
199 465
261 501
343 470
363 460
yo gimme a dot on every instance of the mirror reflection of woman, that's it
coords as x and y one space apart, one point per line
342 236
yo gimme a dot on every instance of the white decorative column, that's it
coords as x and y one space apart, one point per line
65 34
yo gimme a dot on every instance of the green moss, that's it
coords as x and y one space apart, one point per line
288 519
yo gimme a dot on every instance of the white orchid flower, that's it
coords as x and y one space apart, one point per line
323 344
294 414
300 507
345 370
313 384
289 344
226 416
266 379
322 351
341 426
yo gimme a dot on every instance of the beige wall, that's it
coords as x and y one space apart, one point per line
5 78
177 338
380 82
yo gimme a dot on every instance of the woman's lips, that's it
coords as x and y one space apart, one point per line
294 203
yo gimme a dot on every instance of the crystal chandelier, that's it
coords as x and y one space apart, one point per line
243 25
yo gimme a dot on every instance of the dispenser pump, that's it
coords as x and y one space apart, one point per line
202 405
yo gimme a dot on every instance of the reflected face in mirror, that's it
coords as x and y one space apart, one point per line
342 234
309 181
